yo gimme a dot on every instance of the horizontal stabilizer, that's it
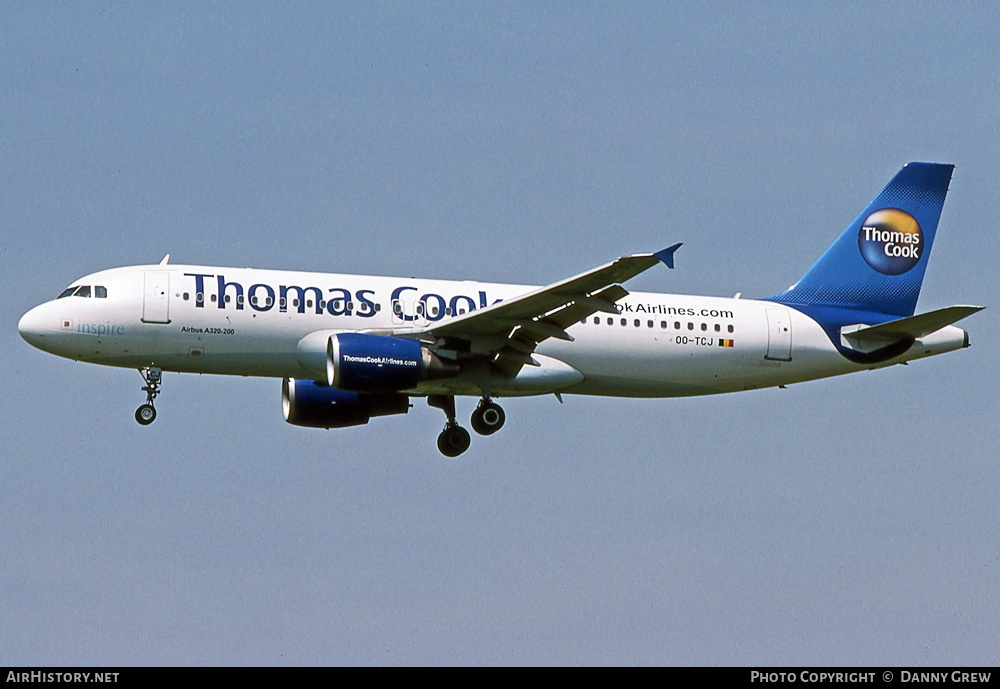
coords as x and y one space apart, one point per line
866 337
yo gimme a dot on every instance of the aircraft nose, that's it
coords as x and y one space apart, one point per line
31 327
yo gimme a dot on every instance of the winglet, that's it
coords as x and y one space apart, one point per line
166 260
667 255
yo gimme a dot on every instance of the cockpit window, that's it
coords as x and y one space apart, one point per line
100 291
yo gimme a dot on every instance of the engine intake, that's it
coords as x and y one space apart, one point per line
315 405
380 363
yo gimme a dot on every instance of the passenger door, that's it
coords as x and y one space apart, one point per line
156 297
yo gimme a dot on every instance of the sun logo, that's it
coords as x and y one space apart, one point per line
890 241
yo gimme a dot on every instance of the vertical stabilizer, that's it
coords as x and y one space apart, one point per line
877 265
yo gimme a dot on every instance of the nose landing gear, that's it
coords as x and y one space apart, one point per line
146 413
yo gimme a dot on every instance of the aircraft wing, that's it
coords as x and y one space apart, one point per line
510 330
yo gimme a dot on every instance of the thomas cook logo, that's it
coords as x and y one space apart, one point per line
890 241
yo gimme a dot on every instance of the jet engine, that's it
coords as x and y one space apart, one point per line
315 405
380 363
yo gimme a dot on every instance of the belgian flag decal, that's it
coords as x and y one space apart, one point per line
725 343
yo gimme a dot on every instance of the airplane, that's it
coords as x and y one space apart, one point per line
348 348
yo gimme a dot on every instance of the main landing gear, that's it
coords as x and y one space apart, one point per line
487 419
454 440
146 414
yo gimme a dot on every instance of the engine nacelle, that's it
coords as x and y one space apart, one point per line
313 404
380 363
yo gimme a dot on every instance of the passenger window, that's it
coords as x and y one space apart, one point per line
611 321
624 322
690 326
281 302
214 298
186 296
704 327
200 297
649 324
597 320
637 322
101 292
239 299
718 328
730 328
663 325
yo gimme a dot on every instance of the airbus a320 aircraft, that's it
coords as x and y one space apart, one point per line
351 347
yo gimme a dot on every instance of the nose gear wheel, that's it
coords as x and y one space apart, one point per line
146 413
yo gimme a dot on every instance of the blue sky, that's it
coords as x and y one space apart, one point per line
849 521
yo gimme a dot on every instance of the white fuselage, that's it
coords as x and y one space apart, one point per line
241 321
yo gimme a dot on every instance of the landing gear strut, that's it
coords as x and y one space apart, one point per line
146 414
454 440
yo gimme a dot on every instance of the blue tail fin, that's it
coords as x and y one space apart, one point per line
878 263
